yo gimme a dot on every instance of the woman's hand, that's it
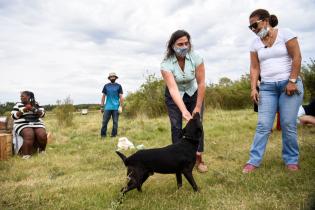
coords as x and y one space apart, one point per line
254 96
290 89
26 108
186 115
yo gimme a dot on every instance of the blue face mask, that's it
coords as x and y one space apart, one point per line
181 51
263 33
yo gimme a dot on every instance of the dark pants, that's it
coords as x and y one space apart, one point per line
175 115
310 108
106 117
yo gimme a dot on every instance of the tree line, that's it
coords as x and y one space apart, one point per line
5 108
149 99
227 94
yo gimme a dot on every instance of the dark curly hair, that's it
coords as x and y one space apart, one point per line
176 35
263 14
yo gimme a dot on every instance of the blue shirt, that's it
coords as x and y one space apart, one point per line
185 80
112 91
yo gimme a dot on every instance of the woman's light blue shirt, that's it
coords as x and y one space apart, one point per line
185 80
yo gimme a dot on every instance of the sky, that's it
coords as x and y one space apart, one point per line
60 49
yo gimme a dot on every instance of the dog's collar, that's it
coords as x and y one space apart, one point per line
187 137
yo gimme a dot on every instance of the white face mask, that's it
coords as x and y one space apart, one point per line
263 32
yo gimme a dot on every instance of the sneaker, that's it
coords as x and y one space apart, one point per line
25 157
293 167
43 152
249 168
201 167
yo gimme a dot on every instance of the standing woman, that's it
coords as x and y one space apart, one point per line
184 74
27 116
276 56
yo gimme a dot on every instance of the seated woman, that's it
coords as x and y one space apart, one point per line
306 114
27 123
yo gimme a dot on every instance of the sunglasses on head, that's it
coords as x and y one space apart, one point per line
254 26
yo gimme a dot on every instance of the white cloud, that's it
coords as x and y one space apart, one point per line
67 48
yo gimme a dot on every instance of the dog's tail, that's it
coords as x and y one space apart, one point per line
122 156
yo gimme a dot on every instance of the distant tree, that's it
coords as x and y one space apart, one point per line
49 107
225 82
87 106
229 94
6 107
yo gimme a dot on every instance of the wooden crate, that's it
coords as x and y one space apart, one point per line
5 146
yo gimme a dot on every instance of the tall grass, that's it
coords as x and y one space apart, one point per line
80 171
64 112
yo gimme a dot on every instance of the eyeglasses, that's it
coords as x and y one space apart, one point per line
254 26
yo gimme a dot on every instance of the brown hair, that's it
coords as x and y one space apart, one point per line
263 14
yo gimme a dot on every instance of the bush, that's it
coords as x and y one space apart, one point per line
64 112
149 100
308 75
228 94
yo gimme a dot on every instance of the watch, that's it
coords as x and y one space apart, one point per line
292 80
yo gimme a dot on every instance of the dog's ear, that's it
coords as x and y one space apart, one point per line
196 116
122 156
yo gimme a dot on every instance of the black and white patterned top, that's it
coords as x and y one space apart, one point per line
28 118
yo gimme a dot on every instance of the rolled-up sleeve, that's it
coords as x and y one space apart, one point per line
166 65
197 58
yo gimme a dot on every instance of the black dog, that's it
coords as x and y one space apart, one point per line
176 159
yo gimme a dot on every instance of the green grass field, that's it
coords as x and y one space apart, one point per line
79 171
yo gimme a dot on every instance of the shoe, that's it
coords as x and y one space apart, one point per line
43 152
249 168
201 167
25 157
293 167
112 136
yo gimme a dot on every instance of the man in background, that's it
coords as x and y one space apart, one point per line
113 94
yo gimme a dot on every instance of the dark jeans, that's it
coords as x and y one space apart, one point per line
175 115
106 117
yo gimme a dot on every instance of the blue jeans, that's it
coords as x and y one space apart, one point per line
106 117
175 116
272 98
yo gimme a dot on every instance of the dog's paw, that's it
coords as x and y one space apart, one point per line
196 189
